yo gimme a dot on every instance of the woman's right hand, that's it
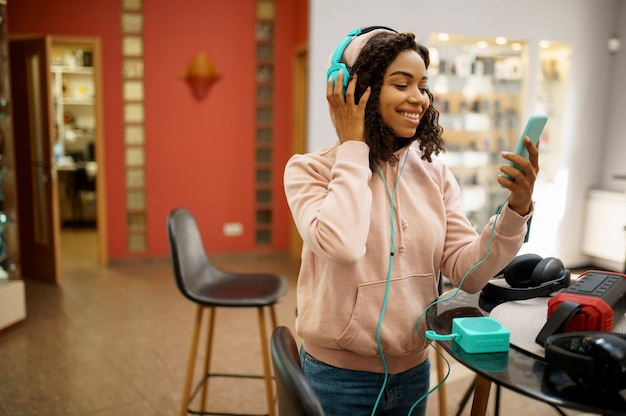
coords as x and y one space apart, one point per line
347 116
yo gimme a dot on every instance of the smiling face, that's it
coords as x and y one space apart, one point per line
399 111
403 97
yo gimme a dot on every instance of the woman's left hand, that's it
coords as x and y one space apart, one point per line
522 182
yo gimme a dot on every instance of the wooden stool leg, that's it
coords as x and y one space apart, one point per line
441 392
273 316
267 369
207 356
191 361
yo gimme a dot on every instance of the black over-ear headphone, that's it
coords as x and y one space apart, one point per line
594 360
529 276
336 60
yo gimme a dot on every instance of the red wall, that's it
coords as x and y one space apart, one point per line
199 154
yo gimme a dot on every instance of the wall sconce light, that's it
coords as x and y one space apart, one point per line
613 44
200 74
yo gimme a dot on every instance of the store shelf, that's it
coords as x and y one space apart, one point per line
77 101
73 103
71 69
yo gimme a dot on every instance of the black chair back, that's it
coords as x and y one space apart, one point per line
294 393
190 262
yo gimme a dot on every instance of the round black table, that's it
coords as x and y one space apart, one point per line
516 369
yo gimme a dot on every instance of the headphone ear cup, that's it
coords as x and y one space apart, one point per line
518 273
546 270
333 72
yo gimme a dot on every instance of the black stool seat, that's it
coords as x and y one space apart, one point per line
215 287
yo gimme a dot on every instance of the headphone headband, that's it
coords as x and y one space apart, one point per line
502 293
367 29
336 63
338 53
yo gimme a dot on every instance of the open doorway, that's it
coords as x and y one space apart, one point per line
59 148
74 88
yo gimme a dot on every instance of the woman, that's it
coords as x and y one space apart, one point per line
380 220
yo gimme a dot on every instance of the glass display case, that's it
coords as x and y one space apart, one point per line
553 75
9 241
550 193
12 294
478 86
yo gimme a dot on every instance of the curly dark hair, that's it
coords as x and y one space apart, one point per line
370 66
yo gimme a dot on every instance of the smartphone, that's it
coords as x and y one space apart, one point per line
533 130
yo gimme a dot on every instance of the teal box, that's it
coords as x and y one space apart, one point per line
480 334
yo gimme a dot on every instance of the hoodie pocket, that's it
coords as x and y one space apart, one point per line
408 297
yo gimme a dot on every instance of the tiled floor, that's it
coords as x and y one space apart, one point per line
114 341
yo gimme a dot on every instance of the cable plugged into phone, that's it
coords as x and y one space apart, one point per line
477 334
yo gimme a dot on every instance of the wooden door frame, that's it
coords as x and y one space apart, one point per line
299 134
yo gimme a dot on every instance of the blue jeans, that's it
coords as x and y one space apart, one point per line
353 393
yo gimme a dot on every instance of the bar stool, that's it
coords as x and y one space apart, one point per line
210 288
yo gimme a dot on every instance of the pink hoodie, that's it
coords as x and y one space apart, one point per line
343 214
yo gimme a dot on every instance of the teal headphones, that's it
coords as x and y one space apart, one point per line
336 63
